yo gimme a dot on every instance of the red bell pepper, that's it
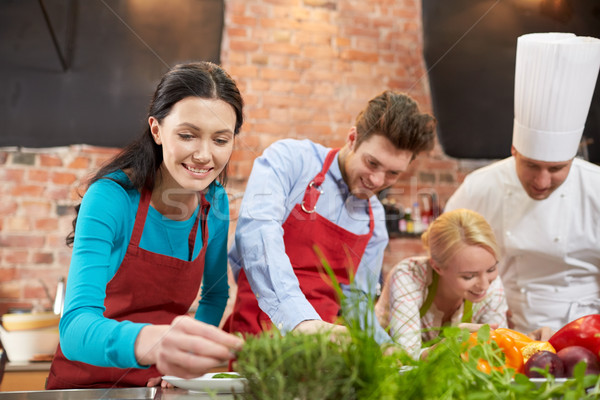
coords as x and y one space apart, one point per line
584 331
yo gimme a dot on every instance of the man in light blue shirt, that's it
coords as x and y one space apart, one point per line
302 195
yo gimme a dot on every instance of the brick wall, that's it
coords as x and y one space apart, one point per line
305 68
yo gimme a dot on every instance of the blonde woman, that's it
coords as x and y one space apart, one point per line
455 283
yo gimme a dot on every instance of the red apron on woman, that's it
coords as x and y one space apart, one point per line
149 288
304 229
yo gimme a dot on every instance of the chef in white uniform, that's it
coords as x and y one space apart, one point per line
543 203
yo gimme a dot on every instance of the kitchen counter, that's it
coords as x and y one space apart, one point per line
24 376
142 393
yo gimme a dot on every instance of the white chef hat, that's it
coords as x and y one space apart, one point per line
555 76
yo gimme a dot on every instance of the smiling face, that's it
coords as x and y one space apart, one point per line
539 178
197 141
373 166
468 274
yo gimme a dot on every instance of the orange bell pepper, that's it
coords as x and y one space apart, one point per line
512 355
519 338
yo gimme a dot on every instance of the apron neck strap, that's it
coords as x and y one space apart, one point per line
313 191
432 289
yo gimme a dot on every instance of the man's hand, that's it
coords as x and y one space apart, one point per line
475 327
337 333
543 334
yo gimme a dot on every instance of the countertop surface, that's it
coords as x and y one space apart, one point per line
28 366
142 393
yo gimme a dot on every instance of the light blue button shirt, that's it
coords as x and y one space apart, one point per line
277 183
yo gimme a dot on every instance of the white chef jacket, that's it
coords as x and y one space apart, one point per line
550 249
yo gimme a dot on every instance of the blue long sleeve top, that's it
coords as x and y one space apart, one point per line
104 226
277 183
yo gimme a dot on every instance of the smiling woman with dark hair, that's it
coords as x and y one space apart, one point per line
150 229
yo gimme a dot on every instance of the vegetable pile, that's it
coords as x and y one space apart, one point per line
306 367
484 365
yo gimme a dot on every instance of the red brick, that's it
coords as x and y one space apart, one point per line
243 45
43 258
342 41
236 58
79 163
11 174
260 59
321 75
236 7
26 241
237 32
34 290
357 55
304 90
35 208
63 178
249 71
38 175
17 224
247 141
243 155
258 113
282 2
7 274
46 224
27 190
279 62
47 160
313 130
268 127
279 23
242 20
312 52
258 10
7 206
64 258
282 86
87 149
60 193
11 291
282 101
281 48
12 256
281 37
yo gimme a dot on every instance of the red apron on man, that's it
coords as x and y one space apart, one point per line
166 289
303 230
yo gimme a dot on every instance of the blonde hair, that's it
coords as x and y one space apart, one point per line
454 230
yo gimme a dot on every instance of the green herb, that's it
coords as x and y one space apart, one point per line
303 367
224 375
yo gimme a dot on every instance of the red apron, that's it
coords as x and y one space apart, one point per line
303 229
148 287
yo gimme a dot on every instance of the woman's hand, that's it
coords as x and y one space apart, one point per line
187 348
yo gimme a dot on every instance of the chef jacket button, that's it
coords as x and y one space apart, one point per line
523 290
508 233
557 239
